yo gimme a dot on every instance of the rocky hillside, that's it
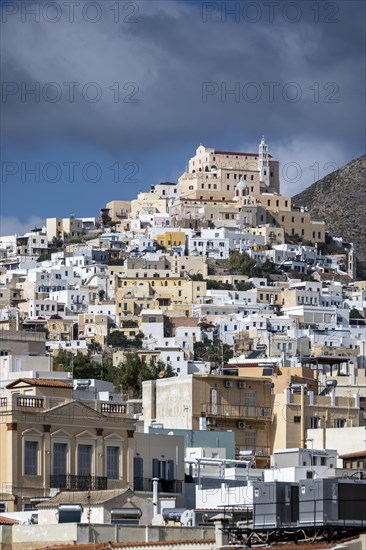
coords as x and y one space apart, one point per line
340 200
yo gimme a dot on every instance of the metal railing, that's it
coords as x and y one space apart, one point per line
71 482
237 411
257 451
164 485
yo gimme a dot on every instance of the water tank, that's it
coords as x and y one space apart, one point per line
172 514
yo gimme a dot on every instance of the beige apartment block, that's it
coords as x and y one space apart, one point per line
61 227
192 210
281 377
94 327
294 413
293 297
148 204
118 210
241 404
297 222
348 383
272 234
60 329
50 442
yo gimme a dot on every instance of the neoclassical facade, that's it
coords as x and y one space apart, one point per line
49 443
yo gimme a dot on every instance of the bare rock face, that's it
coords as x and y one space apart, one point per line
339 199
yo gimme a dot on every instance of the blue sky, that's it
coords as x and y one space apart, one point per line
124 92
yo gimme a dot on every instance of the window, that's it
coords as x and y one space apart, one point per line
250 438
250 398
84 460
314 422
340 423
112 462
31 458
297 419
59 458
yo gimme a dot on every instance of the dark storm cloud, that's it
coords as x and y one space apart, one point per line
160 63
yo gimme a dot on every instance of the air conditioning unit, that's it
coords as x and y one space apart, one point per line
242 385
241 425
228 384
210 422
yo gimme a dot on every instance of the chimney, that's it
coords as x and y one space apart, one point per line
155 500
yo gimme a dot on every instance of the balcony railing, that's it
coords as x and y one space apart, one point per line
127 408
237 411
78 483
257 451
113 408
164 485
34 402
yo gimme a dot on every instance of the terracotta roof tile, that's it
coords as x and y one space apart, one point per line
8 521
358 454
41 382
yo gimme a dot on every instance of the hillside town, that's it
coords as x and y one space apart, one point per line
186 365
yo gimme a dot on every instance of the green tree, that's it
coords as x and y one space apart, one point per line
57 242
196 277
244 285
212 284
117 339
82 366
133 371
44 257
214 351
240 263
63 360
355 314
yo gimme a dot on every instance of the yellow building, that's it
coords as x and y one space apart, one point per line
149 292
171 238
48 442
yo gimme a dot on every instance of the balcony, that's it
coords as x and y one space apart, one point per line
20 402
78 483
33 402
164 485
119 408
237 411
